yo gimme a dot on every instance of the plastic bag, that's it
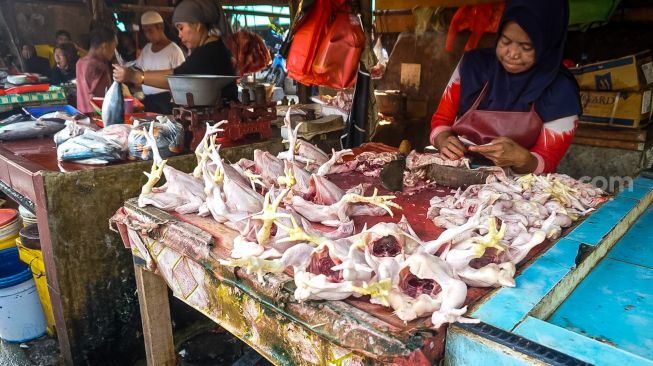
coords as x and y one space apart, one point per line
338 55
306 37
382 60
90 145
169 136
71 130
119 134
479 19
380 53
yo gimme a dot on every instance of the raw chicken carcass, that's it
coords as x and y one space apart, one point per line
181 192
335 164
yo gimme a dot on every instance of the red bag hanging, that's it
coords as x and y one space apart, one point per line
305 41
479 19
338 55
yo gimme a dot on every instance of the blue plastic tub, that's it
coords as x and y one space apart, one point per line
21 315
37 112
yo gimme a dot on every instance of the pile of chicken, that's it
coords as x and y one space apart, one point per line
491 227
291 217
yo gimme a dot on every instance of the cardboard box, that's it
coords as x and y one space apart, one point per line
630 73
621 109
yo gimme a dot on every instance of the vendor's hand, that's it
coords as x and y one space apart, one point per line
505 152
450 146
125 75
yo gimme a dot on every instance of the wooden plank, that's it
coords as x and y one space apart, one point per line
155 313
636 241
394 23
638 15
408 4
576 345
404 21
607 218
613 304
612 133
410 77
612 144
587 233
169 9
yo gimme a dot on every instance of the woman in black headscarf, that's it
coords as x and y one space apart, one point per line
515 104
201 25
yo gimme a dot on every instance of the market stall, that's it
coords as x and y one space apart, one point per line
522 282
197 258
90 282
535 321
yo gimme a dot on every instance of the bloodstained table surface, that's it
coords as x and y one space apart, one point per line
414 208
43 153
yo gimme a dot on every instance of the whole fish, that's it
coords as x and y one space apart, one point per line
90 145
20 117
113 106
29 130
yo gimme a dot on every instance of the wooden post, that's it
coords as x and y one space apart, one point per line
303 93
8 8
155 313
367 62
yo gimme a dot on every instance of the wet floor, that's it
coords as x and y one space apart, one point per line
43 352
12 355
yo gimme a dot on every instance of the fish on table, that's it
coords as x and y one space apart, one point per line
113 106
91 148
19 117
30 129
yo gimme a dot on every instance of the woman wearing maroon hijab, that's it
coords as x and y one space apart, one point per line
515 104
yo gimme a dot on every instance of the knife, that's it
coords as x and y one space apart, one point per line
392 174
456 177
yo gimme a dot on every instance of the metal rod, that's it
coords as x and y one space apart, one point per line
393 12
170 9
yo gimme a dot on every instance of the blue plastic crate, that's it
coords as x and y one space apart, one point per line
37 112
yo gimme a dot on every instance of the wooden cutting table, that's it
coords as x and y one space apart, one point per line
183 253
89 276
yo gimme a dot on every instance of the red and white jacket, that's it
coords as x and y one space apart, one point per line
552 144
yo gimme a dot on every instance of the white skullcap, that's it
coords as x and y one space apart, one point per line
151 17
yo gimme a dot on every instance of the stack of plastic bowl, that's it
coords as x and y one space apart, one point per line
10 225
27 216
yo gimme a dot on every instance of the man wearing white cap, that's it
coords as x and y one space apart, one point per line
159 54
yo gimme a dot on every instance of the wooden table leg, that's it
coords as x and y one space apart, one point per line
155 312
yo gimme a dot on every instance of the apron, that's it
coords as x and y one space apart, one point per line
481 127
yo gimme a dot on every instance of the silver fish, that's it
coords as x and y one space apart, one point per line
20 117
90 145
113 106
29 130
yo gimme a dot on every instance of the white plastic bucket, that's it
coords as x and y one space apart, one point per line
21 315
